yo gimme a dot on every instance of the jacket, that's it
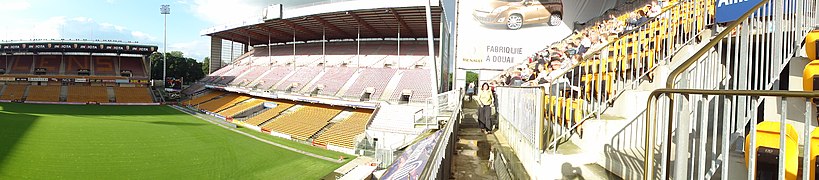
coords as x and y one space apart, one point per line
485 97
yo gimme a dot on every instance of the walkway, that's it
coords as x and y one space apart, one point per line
473 149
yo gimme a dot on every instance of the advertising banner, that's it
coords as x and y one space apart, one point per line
7 79
731 10
38 79
498 34
412 163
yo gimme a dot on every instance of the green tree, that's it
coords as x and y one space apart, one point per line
206 64
178 66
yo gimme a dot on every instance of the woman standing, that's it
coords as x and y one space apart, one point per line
485 100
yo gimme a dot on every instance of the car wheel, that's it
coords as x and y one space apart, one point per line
514 22
555 20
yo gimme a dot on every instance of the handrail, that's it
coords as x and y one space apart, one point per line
648 173
728 30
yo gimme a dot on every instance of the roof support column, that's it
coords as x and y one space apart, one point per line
431 48
399 47
358 45
323 50
294 49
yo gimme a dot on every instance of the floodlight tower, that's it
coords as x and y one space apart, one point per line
165 10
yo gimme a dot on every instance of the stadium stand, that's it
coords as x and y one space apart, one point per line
409 79
332 80
202 98
104 66
239 108
4 65
21 64
344 132
273 77
304 122
87 94
214 77
74 64
133 95
268 114
134 65
375 78
224 102
44 93
13 92
193 88
300 78
253 73
51 64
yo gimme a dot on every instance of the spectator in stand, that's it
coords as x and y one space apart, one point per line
585 44
485 100
556 78
654 9
516 79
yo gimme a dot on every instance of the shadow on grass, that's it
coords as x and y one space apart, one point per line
177 123
13 128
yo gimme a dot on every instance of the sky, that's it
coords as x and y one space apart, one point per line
128 20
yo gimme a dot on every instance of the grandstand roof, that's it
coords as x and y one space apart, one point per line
341 20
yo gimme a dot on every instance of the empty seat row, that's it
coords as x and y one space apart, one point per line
305 122
343 133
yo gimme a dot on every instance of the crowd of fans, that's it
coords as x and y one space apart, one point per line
547 67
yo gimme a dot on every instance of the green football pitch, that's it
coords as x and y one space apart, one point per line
139 142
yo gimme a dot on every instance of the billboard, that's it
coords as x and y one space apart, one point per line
413 161
173 84
731 10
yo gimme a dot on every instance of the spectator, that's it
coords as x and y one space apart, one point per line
485 100
494 96
470 90
654 9
556 78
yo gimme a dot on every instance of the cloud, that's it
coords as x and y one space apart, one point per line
224 12
143 36
196 49
61 27
14 5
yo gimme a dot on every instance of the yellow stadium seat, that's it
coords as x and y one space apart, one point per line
767 145
810 76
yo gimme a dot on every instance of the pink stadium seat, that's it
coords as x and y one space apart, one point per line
333 80
272 78
417 80
302 76
375 77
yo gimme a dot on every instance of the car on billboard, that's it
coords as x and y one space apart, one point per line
515 13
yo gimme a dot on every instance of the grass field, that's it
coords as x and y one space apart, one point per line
143 142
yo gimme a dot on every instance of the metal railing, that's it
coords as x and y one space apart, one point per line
716 123
712 98
440 162
590 87
520 121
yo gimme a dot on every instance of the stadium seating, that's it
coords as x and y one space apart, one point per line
87 94
268 114
275 75
239 108
202 98
224 102
376 78
104 66
344 132
302 76
4 63
332 80
44 93
74 63
21 65
133 95
410 81
304 122
13 92
231 75
134 65
253 73
50 63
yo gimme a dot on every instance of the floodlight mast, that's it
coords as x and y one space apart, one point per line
165 10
